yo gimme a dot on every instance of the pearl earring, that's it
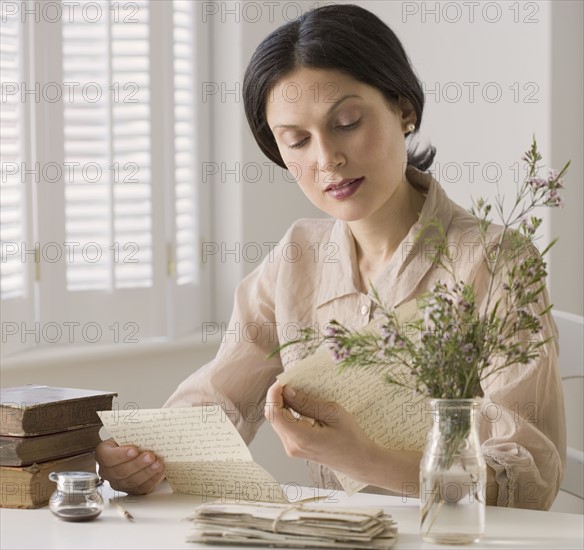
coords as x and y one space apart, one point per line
410 127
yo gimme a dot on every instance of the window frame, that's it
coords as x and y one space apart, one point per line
163 312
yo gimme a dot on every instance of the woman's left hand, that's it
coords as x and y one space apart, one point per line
323 432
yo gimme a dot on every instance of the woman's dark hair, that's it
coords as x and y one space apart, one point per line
346 38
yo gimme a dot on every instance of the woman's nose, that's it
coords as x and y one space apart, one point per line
329 157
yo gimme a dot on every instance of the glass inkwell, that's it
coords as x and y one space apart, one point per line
76 497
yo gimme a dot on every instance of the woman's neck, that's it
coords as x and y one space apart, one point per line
378 237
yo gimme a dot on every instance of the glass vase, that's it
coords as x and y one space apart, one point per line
452 475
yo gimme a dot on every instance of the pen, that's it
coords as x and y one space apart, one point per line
123 512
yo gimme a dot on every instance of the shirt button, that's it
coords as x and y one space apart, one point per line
365 310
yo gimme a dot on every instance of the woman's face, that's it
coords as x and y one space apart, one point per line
341 139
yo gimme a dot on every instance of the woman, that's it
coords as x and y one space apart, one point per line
332 97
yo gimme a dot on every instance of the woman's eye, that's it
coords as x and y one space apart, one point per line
298 145
348 126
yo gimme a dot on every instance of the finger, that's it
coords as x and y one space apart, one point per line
274 395
274 401
141 483
282 416
137 476
275 408
127 469
300 436
294 430
325 412
109 454
150 484
145 461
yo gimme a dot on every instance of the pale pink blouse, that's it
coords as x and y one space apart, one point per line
312 277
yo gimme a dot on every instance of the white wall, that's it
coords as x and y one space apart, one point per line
544 58
567 132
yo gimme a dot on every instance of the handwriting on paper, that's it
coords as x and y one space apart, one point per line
379 408
239 480
201 448
182 434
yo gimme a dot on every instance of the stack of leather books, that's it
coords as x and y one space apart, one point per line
45 429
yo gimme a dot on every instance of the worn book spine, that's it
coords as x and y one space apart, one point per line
29 419
24 451
30 487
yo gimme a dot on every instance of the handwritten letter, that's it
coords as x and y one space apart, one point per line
390 415
239 480
202 451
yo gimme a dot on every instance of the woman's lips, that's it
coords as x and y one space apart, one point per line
340 191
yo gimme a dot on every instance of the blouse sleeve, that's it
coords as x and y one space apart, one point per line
522 422
238 378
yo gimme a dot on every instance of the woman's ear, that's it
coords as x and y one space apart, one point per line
408 113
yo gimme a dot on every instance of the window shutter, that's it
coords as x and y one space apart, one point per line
126 210
19 255
107 144
12 189
186 219
191 144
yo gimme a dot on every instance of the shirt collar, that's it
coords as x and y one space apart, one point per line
342 277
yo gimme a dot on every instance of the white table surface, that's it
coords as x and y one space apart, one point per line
159 523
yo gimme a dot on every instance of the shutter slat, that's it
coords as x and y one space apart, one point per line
12 197
185 191
113 132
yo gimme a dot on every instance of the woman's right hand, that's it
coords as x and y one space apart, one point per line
127 469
